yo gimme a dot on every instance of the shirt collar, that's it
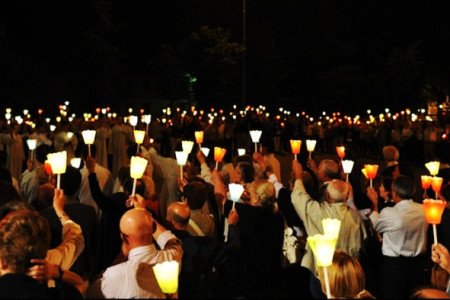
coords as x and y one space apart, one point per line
138 251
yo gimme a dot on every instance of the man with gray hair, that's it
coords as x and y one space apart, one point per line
352 234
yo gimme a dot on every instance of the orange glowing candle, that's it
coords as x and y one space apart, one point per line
340 152
433 213
199 138
426 182
295 146
371 171
219 153
436 183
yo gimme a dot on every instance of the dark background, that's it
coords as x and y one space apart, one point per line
309 55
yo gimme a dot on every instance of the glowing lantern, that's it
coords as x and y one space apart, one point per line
340 150
371 171
255 135
89 138
181 160
241 151
166 274
236 191
139 138
433 167
310 146
31 145
187 146
347 166
137 169
58 163
199 138
433 213
219 153
295 146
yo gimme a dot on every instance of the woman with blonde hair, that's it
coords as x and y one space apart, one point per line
346 277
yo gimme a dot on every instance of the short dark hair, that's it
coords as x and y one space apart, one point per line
196 194
247 171
41 152
70 181
404 187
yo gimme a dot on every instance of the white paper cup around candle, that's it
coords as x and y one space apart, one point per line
236 191
58 162
347 166
205 151
187 146
166 274
310 146
181 160
75 162
255 135
137 169
31 145
241 151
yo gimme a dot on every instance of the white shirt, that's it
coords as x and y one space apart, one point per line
404 229
134 278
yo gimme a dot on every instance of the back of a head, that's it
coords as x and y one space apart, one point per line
265 193
390 153
330 168
247 171
44 197
123 174
137 226
178 214
337 191
24 235
70 181
41 152
346 276
429 293
13 206
404 187
196 194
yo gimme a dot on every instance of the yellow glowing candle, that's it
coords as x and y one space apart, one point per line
199 138
137 169
139 138
58 163
371 171
241 151
295 146
433 167
433 213
436 183
426 181
310 146
340 150
187 146
219 153
166 274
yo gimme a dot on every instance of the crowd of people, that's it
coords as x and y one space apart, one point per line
100 233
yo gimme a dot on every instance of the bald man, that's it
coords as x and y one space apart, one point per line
134 278
197 252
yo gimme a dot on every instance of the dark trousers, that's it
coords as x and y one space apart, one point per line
400 275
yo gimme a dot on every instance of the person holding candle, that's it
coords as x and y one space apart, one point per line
133 277
353 232
404 230
328 170
441 256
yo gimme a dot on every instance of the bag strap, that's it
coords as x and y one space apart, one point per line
196 228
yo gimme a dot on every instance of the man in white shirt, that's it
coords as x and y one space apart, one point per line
134 278
404 230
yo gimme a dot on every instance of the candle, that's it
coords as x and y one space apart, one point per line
137 169
139 138
181 160
433 213
433 167
199 138
133 121
371 171
340 152
205 151
75 162
436 183
241 151
255 135
187 146
88 137
58 165
347 166
236 191
166 274
219 153
31 145
310 146
295 146
426 182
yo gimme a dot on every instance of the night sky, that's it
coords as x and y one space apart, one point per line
313 55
